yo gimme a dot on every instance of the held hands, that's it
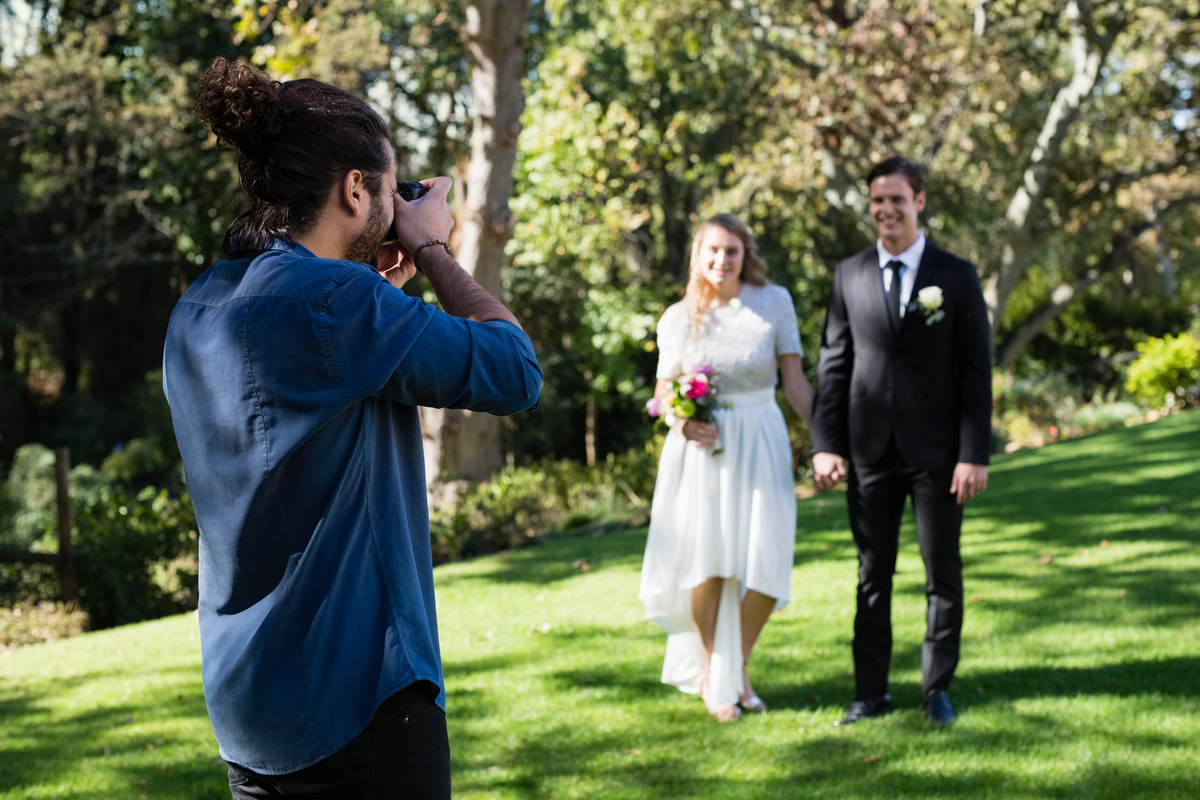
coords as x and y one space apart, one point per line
829 469
701 434
970 480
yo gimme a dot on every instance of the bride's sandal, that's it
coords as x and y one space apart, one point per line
751 702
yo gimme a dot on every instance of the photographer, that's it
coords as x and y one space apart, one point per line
294 370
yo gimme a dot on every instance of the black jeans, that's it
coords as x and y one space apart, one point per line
404 753
877 495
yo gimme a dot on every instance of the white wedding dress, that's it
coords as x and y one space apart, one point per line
731 515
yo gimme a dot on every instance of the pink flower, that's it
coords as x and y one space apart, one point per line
654 407
698 389
704 369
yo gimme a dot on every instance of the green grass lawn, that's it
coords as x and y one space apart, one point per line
1080 674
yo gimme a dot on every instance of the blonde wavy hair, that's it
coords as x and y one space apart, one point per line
700 293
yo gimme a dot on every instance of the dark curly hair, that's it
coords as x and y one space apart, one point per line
295 140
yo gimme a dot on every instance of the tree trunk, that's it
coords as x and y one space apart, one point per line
1020 241
1021 336
460 444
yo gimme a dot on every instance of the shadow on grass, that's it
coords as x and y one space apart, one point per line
543 563
113 738
565 759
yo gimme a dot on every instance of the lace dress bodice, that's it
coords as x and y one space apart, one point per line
742 340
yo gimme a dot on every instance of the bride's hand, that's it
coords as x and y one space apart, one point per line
700 434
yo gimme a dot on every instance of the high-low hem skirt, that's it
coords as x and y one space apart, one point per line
730 515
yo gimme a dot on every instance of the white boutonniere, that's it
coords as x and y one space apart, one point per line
929 302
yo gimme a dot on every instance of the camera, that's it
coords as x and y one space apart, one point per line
411 191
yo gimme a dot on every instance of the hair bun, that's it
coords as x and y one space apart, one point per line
240 104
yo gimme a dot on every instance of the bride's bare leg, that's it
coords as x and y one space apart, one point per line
706 599
756 610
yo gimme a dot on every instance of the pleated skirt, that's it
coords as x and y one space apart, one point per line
730 515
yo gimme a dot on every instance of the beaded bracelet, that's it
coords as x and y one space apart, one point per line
417 252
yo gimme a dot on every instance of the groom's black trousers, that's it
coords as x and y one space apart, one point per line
877 495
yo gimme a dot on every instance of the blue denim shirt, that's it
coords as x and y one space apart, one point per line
294 383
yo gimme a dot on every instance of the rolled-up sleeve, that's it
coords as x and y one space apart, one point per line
388 344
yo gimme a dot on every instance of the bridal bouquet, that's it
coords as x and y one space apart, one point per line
692 395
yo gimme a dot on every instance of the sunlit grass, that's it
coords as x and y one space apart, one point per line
1080 674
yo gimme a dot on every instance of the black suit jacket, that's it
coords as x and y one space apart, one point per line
928 385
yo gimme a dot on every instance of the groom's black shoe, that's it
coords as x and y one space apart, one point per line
861 709
938 709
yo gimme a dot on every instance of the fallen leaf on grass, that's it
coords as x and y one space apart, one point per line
1044 560
140 782
581 564
977 598
870 759
1104 543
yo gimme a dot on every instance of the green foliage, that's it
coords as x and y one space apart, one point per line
135 551
29 494
1166 369
1032 412
522 503
136 458
135 554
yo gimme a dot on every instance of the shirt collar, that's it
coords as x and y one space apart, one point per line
273 244
911 257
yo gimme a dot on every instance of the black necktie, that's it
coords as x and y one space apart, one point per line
893 294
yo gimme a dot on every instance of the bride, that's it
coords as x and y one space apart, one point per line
723 526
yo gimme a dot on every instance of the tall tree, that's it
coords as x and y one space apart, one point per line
1038 122
461 444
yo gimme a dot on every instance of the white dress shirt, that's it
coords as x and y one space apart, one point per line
911 258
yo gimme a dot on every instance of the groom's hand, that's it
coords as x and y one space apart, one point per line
829 469
970 480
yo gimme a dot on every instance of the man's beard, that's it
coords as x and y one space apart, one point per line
365 247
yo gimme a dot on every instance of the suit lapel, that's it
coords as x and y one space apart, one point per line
924 277
872 283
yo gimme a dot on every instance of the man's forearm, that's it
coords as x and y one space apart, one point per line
458 292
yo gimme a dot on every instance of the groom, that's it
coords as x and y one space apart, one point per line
905 395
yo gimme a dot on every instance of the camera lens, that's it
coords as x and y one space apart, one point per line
411 191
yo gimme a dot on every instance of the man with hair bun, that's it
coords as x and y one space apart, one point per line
294 369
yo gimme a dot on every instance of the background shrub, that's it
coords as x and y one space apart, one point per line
135 547
1166 370
521 503
135 554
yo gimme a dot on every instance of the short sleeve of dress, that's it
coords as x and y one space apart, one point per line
670 342
787 328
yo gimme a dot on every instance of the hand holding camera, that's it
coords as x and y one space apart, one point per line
426 217
415 221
